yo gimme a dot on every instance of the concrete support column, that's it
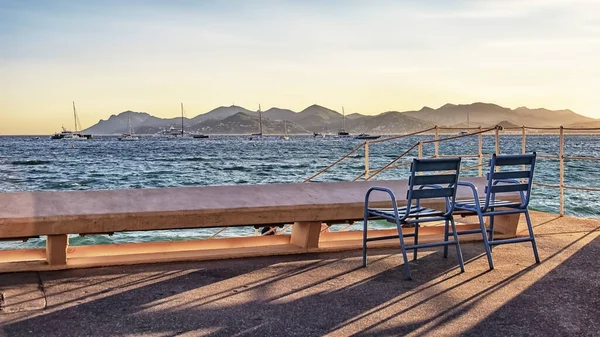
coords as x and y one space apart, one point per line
56 249
306 234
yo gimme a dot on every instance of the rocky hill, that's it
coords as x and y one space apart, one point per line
316 118
486 114
244 123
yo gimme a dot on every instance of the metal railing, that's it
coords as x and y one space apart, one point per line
369 173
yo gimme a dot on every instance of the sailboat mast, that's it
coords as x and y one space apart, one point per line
260 119
468 122
75 116
344 116
181 119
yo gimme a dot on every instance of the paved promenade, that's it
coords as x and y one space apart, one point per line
326 294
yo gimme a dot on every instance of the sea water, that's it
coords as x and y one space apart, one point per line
41 164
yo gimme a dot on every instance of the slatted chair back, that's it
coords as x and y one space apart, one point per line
426 183
507 175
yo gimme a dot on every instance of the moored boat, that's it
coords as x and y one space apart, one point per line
130 135
285 133
367 136
260 132
71 135
343 132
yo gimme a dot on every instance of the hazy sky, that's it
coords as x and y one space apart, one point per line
369 56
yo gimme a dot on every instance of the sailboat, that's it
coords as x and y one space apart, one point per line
465 132
71 135
343 132
130 135
182 120
260 132
194 135
172 131
285 134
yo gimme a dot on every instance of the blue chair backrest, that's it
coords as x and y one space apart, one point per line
425 183
507 176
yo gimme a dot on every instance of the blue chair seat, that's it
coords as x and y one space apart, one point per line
413 212
493 203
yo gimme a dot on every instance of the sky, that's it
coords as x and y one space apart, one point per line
368 56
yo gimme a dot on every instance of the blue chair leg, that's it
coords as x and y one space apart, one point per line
404 255
486 244
416 241
491 235
530 228
458 250
446 238
366 218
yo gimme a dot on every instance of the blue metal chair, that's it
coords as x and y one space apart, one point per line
502 179
420 187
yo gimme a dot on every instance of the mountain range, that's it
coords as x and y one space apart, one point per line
315 118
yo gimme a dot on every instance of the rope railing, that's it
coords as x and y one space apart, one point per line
421 143
392 162
402 136
367 143
335 163
549 128
581 158
368 174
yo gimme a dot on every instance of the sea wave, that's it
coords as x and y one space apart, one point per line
30 162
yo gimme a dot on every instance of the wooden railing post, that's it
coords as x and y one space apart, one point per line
366 160
561 157
480 153
437 143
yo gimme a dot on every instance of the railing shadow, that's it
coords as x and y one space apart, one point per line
261 296
561 303
327 294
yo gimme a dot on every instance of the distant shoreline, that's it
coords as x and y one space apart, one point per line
503 132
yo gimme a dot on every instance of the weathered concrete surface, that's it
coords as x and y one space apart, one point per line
30 214
329 294
21 292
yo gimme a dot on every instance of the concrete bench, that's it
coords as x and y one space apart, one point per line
56 214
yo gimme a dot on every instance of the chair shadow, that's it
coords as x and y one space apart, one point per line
563 302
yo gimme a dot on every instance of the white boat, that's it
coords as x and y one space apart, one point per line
72 135
182 129
343 132
466 132
285 133
260 131
130 135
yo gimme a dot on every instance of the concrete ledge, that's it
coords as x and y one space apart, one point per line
213 249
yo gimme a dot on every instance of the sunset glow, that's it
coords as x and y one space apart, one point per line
370 57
